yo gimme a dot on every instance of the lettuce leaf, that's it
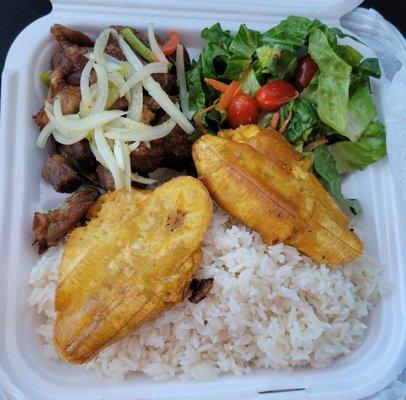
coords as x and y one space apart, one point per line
245 42
370 67
311 92
211 55
361 111
339 33
250 85
290 34
237 64
215 34
266 55
325 166
334 82
304 117
197 98
348 54
369 148
281 64
361 73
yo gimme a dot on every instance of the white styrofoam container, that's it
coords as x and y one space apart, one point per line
25 373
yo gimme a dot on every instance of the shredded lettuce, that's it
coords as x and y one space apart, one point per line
334 82
290 34
311 92
348 54
325 166
245 42
369 148
197 97
250 85
217 36
303 118
361 111
337 106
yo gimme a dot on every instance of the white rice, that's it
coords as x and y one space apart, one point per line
269 307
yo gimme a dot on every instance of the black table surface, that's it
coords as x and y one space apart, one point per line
16 14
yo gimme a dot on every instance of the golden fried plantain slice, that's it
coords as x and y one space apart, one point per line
136 258
266 141
323 239
251 187
273 145
319 229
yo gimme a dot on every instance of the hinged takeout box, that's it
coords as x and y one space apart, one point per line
25 373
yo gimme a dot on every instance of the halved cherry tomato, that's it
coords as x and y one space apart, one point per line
306 68
170 46
273 95
242 110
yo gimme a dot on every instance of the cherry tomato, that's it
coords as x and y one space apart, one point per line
306 68
273 95
242 110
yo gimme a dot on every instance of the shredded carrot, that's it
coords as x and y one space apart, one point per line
274 121
217 85
154 58
311 146
170 46
228 95
285 124
209 108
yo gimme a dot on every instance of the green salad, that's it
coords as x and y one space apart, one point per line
298 79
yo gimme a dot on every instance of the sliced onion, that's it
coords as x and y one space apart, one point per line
155 90
150 133
135 109
117 79
134 61
100 45
63 139
96 153
48 106
181 78
126 124
133 146
127 166
110 63
126 69
58 136
118 154
159 95
142 73
85 88
45 133
102 89
70 127
140 179
153 44
113 60
107 155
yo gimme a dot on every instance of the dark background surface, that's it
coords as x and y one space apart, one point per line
16 14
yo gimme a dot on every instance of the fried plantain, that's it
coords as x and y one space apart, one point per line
249 186
237 168
136 258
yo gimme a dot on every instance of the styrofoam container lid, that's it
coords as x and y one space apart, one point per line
25 373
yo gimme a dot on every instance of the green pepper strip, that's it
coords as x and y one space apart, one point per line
45 77
136 44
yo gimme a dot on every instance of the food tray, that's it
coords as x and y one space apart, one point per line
25 373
